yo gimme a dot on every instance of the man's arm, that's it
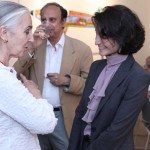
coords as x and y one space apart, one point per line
22 64
77 82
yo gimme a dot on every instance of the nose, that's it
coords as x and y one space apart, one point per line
46 23
48 26
31 39
97 40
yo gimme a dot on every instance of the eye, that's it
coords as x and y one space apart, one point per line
104 37
27 32
43 20
52 20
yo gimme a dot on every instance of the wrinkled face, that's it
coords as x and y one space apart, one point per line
51 18
106 46
20 37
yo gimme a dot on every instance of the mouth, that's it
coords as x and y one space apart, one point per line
101 48
29 46
49 30
26 49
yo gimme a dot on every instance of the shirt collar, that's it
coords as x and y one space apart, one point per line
61 41
115 59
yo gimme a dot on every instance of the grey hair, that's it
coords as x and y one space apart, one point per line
10 13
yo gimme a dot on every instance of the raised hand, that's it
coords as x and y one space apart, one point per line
31 86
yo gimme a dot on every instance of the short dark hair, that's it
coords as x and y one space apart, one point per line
121 25
63 10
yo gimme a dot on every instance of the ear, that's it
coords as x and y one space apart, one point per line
3 33
64 23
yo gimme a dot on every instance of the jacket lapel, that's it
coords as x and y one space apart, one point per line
68 57
119 76
39 64
98 70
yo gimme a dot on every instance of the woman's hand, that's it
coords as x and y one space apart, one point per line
31 86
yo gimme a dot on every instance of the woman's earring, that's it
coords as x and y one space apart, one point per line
119 51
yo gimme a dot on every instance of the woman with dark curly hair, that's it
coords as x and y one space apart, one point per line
116 87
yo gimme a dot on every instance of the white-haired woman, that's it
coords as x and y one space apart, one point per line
23 112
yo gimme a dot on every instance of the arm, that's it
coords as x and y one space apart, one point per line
77 82
146 111
126 114
22 64
146 114
77 128
36 115
76 134
74 83
148 94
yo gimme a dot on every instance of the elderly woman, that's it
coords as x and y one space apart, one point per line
116 87
23 112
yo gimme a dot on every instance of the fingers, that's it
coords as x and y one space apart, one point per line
41 32
23 78
54 78
31 86
54 75
27 82
58 79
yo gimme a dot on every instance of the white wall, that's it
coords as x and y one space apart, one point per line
141 7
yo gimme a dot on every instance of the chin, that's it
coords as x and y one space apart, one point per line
21 54
102 54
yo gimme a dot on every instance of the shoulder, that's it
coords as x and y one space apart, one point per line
137 76
77 43
141 73
98 64
5 75
138 70
100 61
9 83
134 69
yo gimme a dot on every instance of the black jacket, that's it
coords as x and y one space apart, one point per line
112 127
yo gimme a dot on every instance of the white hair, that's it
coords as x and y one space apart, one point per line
10 13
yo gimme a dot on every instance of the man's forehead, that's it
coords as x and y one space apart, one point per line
51 12
52 8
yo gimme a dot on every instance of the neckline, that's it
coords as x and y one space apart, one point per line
9 68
